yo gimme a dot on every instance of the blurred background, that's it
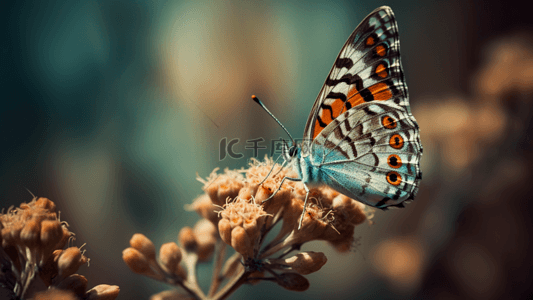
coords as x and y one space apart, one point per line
110 108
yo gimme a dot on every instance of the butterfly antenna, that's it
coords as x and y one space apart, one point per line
268 111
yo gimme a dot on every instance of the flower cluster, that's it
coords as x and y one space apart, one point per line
33 261
238 210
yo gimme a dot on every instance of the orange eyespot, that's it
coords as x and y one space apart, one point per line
396 141
370 41
394 178
388 122
394 161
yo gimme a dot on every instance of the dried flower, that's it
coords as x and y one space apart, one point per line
206 237
32 258
170 255
137 262
293 282
143 244
304 262
241 211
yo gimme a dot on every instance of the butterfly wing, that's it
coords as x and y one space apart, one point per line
367 68
365 141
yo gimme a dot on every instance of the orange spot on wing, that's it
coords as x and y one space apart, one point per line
354 97
380 91
396 141
370 41
381 71
388 122
394 178
394 161
317 129
381 50
337 107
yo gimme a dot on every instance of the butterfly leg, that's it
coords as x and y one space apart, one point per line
279 188
305 205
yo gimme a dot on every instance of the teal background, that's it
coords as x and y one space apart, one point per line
110 108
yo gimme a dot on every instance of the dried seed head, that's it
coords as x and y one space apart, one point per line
187 239
293 282
248 217
102 292
137 262
32 238
170 255
144 245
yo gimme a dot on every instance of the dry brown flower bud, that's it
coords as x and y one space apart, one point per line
252 229
240 241
75 283
30 234
64 239
103 292
137 262
69 261
187 239
224 228
219 187
206 236
236 221
242 213
307 262
11 234
170 255
46 204
51 233
144 245
205 208
293 282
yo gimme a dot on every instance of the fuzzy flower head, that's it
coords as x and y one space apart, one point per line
32 255
241 225
249 212
239 208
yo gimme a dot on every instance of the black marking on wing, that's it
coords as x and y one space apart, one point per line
344 63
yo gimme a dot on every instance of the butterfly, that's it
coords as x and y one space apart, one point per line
361 138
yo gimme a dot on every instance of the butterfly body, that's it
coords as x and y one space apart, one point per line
361 138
